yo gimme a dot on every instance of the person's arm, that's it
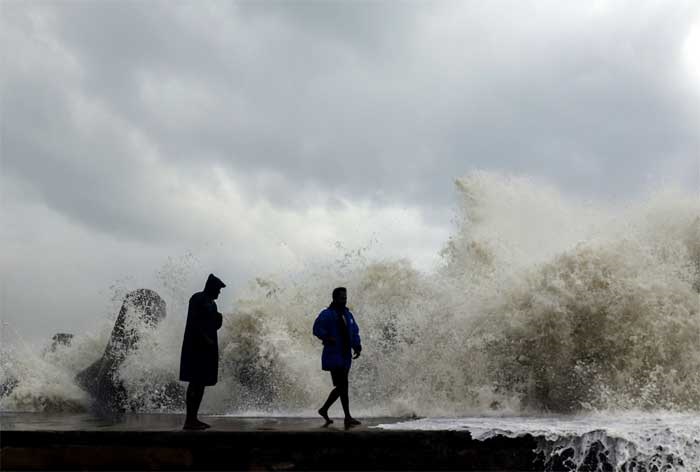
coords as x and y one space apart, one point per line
199 311
219 318
355 331
320 329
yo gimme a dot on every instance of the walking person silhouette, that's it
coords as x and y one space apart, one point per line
336 327
199 361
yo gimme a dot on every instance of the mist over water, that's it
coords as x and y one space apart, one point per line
541 304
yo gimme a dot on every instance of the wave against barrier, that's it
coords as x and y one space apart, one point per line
541 304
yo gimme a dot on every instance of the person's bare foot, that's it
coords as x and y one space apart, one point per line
195 425
350 422
324 414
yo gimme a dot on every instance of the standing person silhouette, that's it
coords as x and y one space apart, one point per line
199 361
336 327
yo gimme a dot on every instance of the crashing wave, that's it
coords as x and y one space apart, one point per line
541 304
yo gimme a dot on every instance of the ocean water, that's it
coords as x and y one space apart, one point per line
627 441
541 305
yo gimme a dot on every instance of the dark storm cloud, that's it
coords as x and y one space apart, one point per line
593 110
379 100
134 131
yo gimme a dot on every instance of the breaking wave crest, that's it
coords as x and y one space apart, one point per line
541 303
630 441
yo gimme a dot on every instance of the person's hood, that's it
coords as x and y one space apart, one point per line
213 283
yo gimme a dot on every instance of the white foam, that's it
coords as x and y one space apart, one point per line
670 441
542 304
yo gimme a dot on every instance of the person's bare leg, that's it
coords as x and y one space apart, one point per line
345 401
193 400
323 411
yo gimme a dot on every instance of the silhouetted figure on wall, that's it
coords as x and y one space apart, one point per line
199 363
336 327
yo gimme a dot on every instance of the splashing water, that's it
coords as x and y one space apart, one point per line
629 441
541 304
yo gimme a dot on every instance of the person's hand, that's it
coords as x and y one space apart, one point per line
207 340
356 353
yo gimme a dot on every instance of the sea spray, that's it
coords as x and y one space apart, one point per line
631 441
33 379
542 303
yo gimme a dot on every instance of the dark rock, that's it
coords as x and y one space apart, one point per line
57 340
100 379
596 459
563 460
60 339
8 379
7 386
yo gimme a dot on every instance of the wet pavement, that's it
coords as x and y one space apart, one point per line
38 441
170 422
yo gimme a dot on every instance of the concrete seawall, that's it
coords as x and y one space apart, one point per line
155 442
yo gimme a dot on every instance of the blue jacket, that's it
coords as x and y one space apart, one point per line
336 355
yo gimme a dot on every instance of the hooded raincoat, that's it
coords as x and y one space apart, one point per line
199 361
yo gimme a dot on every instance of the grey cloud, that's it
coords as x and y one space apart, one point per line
109 109
89 173
364 100
368 27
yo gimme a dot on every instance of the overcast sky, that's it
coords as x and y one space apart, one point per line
149 140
